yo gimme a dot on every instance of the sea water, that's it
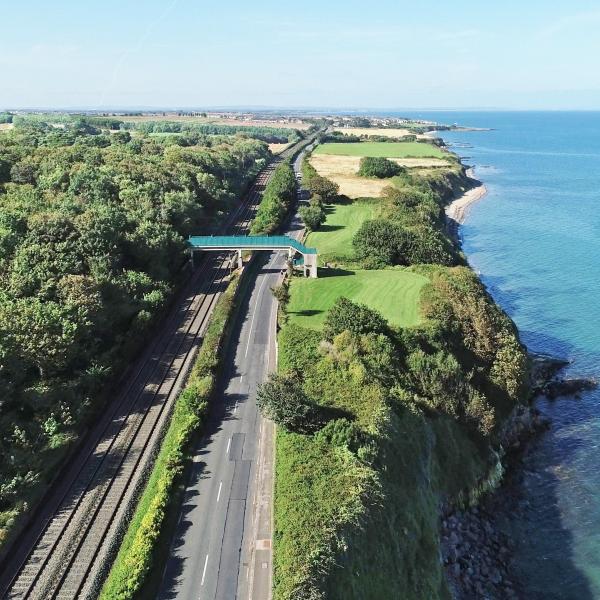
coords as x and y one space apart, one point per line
535 242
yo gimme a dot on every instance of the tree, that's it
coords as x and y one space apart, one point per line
276 201
380 242
346 315
325 188
43 334
378 167
316 200
282 400
92 229
313 216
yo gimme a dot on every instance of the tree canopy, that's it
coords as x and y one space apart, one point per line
92 230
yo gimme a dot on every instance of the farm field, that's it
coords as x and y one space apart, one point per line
342 170
394 293
381 149
334 237
385 132
214 120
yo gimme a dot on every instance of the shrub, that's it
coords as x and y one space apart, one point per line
380 242
328 190
426 245
316 200
313 216
382 168
282 400
346 315
282 293
344 433
407 196
136 554
278 196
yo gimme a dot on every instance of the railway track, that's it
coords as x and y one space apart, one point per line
91 507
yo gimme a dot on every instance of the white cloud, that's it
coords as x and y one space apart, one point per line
579 20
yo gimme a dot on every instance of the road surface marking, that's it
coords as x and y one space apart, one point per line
204 570
228 445
219 492
262 285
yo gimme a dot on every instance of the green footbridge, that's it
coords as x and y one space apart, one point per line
239 243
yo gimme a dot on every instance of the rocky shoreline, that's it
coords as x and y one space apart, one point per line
475 552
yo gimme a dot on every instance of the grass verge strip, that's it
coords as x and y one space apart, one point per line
135 557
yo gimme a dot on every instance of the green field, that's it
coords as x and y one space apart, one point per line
334 237
393 292
381 149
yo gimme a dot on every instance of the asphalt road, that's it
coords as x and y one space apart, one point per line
222 545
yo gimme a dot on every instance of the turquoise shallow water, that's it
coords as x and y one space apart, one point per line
535 240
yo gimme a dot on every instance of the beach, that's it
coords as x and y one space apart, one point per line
458 209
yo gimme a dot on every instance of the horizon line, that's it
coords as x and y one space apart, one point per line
275 108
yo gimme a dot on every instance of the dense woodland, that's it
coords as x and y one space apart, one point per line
92 230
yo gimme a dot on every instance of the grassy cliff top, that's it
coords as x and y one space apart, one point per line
393 292
381 149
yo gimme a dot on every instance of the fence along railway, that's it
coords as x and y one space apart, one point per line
71 544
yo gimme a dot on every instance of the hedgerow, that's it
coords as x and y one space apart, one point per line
277 198
136 554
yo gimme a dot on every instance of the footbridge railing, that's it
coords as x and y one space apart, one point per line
239 243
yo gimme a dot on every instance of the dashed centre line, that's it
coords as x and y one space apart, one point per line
204 570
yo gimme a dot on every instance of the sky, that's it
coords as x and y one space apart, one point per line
378 54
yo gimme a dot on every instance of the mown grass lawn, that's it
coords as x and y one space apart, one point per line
381 149
334 237
393 292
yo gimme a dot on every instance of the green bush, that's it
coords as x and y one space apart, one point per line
380 242
136 554
357 503
92 242
346 315
381 168
313 216
328 190
277 198
282 400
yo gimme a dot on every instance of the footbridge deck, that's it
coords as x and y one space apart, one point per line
240 243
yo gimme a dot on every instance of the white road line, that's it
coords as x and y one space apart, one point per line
256 307
228 445
204 570
219 492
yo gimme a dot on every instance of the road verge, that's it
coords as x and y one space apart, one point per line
138 549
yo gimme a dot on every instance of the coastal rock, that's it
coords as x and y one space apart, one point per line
544 378
544 368
567 387
478 554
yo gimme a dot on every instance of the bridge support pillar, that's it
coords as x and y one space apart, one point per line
310 263
240 262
